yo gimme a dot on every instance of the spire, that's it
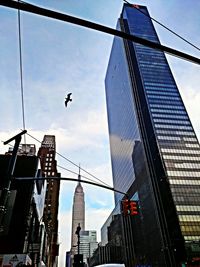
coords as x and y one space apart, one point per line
79 175
78 213
79 187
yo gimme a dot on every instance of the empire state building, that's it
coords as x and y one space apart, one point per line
78 214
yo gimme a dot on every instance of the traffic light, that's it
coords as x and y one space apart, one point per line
125 207
133 207
129 207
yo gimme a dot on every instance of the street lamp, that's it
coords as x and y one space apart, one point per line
78 229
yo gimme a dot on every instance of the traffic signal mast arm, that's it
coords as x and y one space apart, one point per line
91 25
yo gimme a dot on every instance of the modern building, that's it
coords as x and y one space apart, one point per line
78 215
155 153
46 154
88 244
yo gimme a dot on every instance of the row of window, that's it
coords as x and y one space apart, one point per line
49 174
178 127
151 63
182 165
177 145
184 182
167 84
159 80
49 155
192 238
192 145
180 151
184 122
158 67
156 71
48 163
178 138
164 106
173 98
167 111
161 89
169 138
159 92
190 231
48 168
188 208
183 174
186 199
164 103
181 157
149 54
187 191
189 133
189 218
145 48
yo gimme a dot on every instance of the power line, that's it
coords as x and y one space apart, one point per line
173 32
91 25
81 168
74 173
21 73
64 168
71 162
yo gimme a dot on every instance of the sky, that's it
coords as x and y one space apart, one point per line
59 58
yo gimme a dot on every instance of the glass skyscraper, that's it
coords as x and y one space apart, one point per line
155 153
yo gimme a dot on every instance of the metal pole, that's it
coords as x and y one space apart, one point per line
78 229
7 181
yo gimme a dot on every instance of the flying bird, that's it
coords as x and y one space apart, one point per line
67 99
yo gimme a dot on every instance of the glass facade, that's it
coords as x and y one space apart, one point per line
154 149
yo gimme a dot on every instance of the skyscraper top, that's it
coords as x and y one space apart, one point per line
79 188
49 141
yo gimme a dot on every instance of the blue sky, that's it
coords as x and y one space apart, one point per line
59 58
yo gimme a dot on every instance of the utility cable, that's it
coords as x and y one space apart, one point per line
81 168
82 176
147 15
64 167
21 73
71 161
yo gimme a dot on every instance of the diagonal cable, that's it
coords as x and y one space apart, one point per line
173 32
70 161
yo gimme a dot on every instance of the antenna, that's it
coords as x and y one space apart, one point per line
79 175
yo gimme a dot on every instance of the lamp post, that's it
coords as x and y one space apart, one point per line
78 258
78 229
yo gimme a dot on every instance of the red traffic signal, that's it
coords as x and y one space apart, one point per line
125 207
133 207
129 207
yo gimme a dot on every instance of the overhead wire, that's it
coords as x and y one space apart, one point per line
21 73
70 161
173 32
82 176
64 168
